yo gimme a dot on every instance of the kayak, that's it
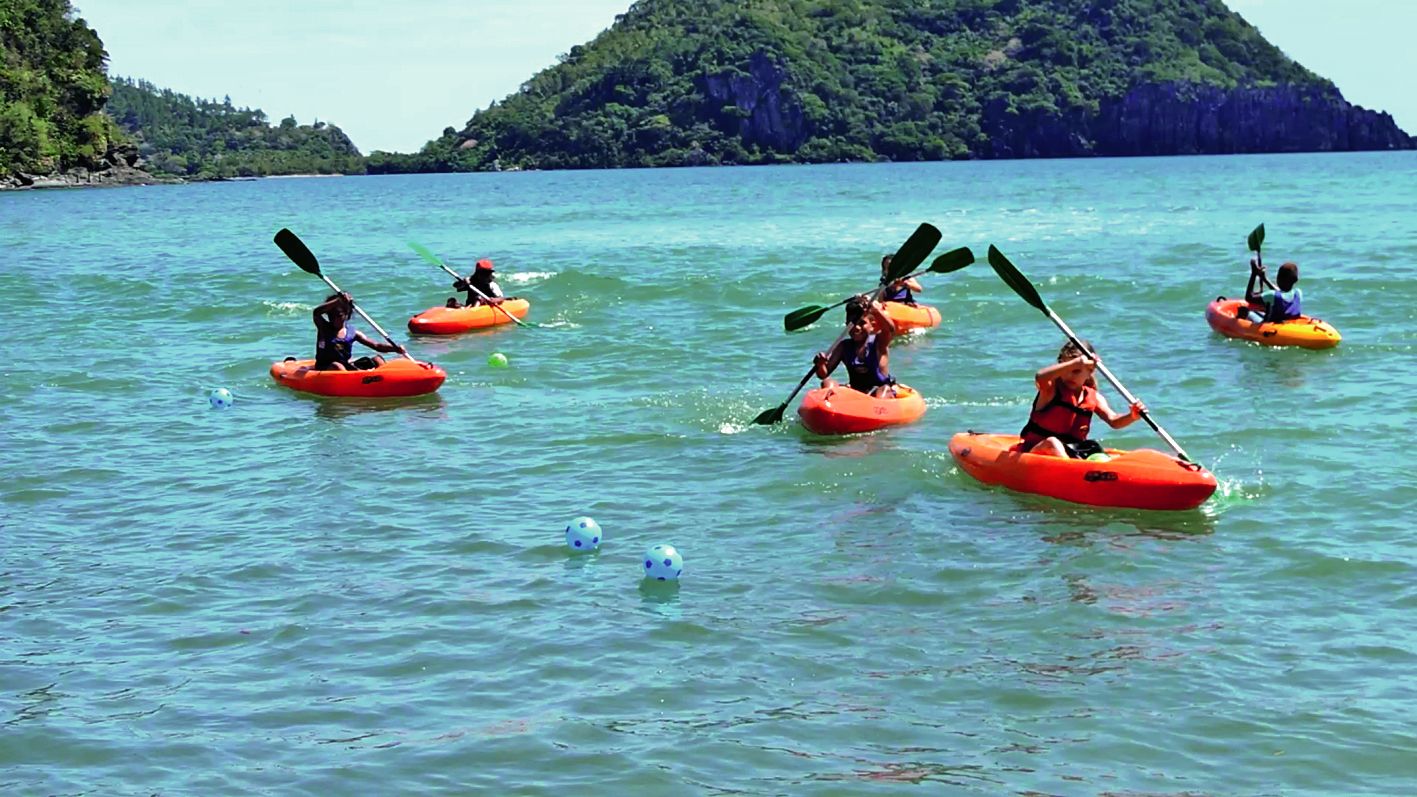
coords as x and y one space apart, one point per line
1140 479
452 320
398 377
841 410
912 316
1306 332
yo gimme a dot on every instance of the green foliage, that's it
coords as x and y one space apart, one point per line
206 139
762 81
52 89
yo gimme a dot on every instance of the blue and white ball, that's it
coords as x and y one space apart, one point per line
583 534
663 563
221 399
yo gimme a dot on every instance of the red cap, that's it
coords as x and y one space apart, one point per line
485 263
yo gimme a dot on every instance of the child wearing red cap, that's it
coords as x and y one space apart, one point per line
480 287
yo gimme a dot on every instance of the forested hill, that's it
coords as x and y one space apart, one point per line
205 139
52 90
677 82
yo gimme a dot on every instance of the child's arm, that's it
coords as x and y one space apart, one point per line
826 363
884 325
1118 420
379 345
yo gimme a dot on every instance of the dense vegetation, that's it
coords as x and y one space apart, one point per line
52 89
761 81
206 139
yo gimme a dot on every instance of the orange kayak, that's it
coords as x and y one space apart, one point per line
398 377
1140 479
452 320
1305 332
912 316
841 410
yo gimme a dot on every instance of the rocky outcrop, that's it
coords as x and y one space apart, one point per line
766 117
121 166
1188 119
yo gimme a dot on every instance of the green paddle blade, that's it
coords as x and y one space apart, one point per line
1256 239
424 253
913 252
297 251
805 317
953 260
1015 279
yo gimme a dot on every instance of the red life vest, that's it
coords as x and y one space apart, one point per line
1068 416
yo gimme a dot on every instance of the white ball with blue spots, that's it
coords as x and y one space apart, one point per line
583 534
221 399
663 563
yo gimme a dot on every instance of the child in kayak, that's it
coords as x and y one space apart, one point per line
900 290
1285 300
865 350
1066 401
480 287
335 339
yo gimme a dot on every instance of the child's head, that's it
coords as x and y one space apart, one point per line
1078 376
343 308
857 321
885 265
1288 275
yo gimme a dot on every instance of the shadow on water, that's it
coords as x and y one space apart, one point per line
335 408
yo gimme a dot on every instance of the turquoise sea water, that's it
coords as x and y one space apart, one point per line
304 596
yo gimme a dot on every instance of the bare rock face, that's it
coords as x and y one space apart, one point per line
767 117
1189 119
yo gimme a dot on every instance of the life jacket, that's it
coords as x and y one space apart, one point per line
1282 307
335 348
902 295
1068 416
864 369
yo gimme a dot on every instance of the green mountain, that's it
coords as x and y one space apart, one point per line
682 82
205 139
52 90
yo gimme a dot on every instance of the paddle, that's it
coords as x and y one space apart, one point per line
911 254
300 255
424 253
1255 241
1016 280
953 260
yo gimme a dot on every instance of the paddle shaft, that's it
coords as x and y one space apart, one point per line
1121 388
365 316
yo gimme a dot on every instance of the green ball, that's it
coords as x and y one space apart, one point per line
497 360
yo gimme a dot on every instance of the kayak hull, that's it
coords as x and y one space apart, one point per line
400 377
454 320
1305 332
1139 479
908 317
841 410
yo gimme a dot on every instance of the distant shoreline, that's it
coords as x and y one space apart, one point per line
129 178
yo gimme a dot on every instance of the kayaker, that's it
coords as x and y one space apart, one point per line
480 286
1284 300
865 350
335 338
901 289
1066 401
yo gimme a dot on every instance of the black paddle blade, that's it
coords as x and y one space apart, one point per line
297 251
913 252
770 417
805 317
953 260
1256 239
1015 279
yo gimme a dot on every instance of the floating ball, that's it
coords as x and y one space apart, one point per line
221 398
583 534
1098 457
663 563
497 360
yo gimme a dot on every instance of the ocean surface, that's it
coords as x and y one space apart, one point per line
302 596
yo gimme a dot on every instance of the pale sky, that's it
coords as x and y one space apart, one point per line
394 74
